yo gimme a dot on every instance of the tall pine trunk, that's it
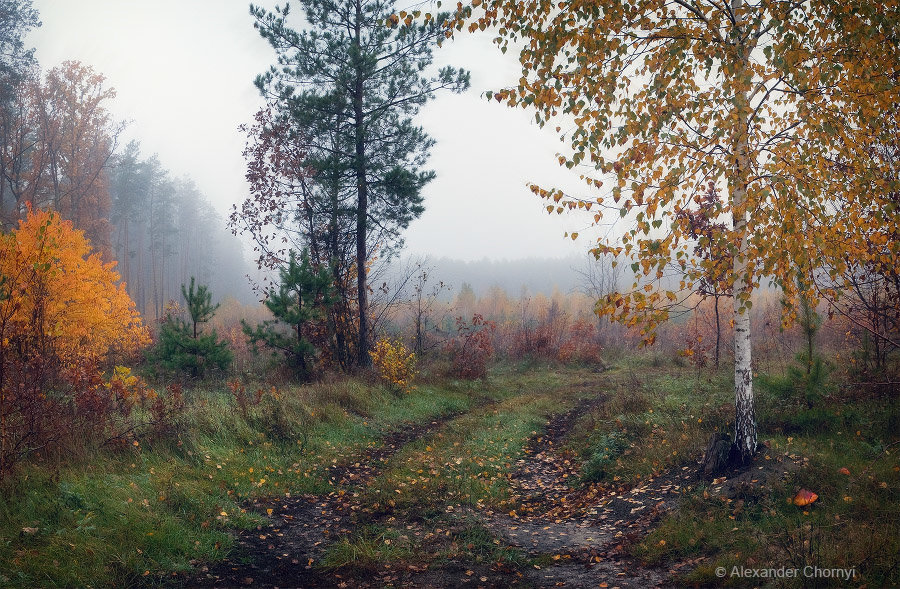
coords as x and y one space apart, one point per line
362 204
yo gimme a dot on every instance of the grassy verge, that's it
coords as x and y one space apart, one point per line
658 414
137 515
661 414
851 460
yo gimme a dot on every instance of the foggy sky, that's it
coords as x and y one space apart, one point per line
184 71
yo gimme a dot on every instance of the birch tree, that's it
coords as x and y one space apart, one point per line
771 102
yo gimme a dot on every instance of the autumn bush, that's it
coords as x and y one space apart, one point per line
244 399
535 340
472 347
63 316
394 364
580 344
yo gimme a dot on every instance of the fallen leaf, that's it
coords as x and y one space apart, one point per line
804 497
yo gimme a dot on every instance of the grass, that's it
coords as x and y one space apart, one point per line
145 512
369 547
667 413
134 516
852 525
657 415
467 462
435 481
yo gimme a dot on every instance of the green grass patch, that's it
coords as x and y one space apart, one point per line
656 415
467 461
139 514
667 414
370 546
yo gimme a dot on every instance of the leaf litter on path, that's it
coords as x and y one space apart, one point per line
283 552
580 532
583 530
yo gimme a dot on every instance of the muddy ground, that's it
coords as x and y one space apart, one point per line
581 533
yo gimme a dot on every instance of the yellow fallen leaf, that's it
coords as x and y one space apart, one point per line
804 498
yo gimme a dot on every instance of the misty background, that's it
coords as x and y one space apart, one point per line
183 75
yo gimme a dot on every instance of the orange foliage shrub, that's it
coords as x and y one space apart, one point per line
472 348
62 314
394 364
581 344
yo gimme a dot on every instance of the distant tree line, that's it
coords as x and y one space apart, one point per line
165 231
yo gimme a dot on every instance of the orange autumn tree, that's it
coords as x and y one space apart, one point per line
62 313
773 103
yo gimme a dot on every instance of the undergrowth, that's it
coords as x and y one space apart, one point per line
119 516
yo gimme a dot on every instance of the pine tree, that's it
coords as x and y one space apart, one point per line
182 347
302 297
351 85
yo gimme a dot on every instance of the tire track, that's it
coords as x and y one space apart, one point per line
585 529
283 552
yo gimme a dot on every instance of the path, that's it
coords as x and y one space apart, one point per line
281 553
581 536
586 531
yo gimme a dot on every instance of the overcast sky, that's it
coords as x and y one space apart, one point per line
184 71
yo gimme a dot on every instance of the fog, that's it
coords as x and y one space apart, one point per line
183 74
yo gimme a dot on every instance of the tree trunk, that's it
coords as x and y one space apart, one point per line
745 420
362 199
718 330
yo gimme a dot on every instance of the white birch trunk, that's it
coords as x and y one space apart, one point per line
745 419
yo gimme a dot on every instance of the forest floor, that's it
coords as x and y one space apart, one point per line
538 476
562 532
